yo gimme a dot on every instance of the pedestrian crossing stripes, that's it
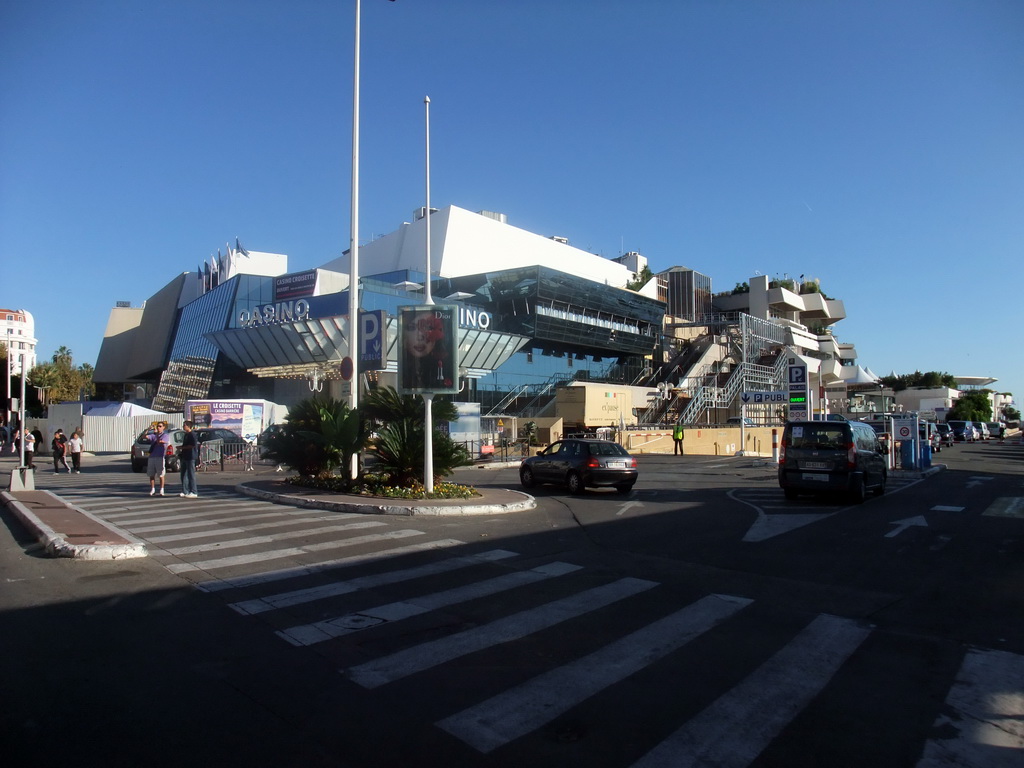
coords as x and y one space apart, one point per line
529 706
309 634
299 596
404 663
738 726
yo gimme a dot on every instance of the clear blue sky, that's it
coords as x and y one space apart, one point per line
875 144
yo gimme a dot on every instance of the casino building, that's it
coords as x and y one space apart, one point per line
534 314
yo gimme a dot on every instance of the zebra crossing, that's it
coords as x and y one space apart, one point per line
290 568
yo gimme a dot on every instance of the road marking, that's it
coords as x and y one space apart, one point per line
526 707
985 709
250 540
223 531
299 571
948 509
420 657
907 522
737 727
277 554
308 595
309 634
627 506
1006 506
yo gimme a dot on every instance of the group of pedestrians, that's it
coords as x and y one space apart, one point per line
61 446
160 447
31 441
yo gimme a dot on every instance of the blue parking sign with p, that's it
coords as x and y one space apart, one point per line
371 340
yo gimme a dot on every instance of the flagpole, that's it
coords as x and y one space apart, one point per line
353 275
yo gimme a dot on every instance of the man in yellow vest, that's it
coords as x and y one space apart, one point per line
677 438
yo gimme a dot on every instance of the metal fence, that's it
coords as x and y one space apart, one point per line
218 456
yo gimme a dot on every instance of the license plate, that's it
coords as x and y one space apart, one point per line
616 465
815 477
815 465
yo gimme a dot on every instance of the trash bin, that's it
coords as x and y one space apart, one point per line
907 454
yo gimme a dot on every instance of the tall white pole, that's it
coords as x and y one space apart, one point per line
21 421
7 403
428 398
353 277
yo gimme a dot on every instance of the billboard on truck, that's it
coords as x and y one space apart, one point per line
595 406
246 417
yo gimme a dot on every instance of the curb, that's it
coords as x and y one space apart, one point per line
57 545
437 510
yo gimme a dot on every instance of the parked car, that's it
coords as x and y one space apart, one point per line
736 421
580 463
997 429
963 431
929 435
818 456
139 453
205 434
945 432
982 427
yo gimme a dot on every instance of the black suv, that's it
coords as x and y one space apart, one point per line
832 456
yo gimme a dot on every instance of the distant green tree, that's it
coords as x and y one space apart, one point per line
972 406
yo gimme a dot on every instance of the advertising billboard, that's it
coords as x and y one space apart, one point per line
245 418
428 356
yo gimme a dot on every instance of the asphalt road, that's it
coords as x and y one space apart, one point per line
700 620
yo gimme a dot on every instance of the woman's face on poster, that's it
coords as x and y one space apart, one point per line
420 333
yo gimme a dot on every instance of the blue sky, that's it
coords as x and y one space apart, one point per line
876 145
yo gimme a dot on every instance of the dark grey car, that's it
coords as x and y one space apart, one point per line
819 456
580 463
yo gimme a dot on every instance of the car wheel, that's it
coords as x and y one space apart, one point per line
172 465
575 483
624 488
858 491
526 478
791 493
137 467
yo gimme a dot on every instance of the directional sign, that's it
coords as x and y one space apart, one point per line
371 340
759 398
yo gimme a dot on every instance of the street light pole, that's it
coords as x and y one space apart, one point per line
428 397
353 276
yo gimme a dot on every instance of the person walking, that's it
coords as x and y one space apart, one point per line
75 446
156 466
30 447
59 447
677 439
187 462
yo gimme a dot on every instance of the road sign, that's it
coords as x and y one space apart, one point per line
346 369
371 340
903 429
797 375
760 398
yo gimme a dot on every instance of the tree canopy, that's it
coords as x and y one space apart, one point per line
972 406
